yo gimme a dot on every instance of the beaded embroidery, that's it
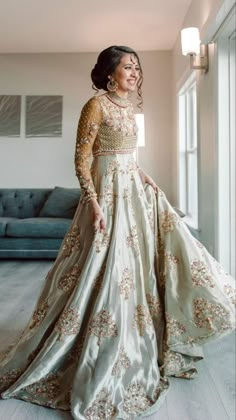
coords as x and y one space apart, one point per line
69 280
105 127
102 408
9 378
122 363
102 325
142 319
136 401
68 323
126 284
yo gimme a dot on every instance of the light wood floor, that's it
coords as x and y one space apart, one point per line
211 396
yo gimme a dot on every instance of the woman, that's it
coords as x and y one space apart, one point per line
132 295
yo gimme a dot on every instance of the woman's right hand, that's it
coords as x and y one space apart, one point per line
98 219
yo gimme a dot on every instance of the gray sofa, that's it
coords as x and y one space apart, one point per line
34 221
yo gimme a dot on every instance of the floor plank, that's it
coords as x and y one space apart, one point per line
20 410
211 396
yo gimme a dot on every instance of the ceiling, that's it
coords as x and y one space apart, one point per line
36 26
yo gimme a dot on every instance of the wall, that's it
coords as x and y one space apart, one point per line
156 157
44 162
203 14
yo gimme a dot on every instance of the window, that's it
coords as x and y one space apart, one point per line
188 152
139 118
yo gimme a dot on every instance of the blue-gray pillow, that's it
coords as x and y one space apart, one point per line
62 202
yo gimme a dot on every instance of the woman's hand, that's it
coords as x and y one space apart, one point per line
146 179
98 219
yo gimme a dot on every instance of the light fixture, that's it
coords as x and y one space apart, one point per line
191 45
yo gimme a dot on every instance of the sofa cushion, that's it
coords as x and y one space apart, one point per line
62 202
22 202
39 227
30 244
33 248
3 224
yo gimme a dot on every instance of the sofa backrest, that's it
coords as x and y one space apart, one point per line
22 202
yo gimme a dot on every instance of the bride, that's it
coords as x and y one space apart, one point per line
132 295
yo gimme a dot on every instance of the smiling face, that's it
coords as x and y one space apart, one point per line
127 74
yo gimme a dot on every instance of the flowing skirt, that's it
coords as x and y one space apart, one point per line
120 310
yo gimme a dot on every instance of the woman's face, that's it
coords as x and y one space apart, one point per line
127 74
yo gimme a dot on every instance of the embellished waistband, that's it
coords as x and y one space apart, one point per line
114 152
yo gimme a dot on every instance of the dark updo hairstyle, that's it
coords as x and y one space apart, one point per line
106 64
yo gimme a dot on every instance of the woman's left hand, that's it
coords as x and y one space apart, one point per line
146 179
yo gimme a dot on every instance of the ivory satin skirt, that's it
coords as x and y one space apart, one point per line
122 310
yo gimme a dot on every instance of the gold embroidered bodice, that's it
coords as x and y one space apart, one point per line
106 126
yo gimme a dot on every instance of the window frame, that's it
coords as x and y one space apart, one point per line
226 186
185 151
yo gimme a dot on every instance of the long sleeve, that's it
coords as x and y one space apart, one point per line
89 122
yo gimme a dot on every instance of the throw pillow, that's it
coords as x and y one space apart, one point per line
62 202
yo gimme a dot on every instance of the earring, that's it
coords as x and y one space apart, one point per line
112 85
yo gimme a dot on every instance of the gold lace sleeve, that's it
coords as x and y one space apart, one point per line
89 122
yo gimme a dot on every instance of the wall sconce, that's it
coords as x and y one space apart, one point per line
191 45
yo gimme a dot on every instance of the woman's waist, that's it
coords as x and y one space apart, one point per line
116 162
115 152
114 143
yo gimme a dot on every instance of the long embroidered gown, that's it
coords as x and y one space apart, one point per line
120 310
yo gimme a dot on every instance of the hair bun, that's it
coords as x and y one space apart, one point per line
96 77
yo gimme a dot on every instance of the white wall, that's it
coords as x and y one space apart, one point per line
44 162
41 162
202 13
156 157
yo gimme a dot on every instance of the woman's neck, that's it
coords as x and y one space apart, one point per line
122 94
117 99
